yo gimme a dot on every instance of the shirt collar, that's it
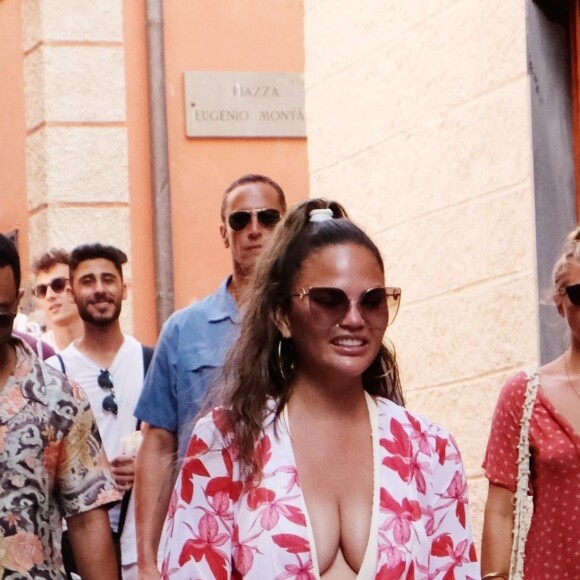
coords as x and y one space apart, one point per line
223 305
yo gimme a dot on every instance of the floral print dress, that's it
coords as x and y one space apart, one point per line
220 528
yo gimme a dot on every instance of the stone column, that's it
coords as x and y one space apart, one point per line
76 143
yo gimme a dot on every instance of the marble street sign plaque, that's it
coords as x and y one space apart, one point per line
244 104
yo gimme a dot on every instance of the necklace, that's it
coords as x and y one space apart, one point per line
568 377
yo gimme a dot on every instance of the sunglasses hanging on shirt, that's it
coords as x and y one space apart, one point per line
110 401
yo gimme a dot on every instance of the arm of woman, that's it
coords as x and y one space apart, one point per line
200 519
500 465
497 531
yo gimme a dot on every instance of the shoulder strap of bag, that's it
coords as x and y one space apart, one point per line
39 349
61 362
522 512
147 356
123 512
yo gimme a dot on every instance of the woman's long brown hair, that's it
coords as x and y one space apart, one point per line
252 373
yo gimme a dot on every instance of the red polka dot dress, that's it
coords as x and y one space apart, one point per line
553 544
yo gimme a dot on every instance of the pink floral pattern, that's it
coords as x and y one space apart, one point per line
220 529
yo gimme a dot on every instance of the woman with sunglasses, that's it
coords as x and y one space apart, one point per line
310 467
552 547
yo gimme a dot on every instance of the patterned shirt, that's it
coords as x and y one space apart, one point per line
51 466
219 528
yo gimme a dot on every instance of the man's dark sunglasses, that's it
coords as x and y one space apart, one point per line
57 285
573 293
110 401
6 319
238 220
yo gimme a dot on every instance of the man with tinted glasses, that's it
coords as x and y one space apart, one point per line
109 365
52 464
54 296
190 354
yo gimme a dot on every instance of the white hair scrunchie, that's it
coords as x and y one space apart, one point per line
321 215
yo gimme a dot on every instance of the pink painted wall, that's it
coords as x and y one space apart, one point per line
13 209
254 35
144 325
205 35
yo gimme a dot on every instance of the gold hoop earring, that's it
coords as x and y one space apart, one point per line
286 374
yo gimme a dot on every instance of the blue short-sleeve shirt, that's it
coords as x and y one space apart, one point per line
188 357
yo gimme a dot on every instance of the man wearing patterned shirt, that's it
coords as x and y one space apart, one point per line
52 464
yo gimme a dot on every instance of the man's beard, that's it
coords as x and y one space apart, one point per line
101 321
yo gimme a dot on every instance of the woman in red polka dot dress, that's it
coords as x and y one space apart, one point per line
553 544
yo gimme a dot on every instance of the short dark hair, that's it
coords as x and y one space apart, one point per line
94 252
252 178
9 257
50 259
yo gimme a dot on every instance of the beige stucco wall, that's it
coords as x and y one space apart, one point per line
418 120
76 140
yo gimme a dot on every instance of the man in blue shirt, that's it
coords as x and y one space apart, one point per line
190 354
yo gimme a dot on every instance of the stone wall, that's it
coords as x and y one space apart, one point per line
418 118
76 135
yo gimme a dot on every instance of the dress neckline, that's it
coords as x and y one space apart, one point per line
370 560
561 419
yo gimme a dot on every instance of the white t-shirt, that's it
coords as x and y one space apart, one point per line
48 337
127 375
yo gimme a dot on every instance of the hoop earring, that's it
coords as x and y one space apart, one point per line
285 373
384 373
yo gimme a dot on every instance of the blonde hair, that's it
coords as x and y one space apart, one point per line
570 251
